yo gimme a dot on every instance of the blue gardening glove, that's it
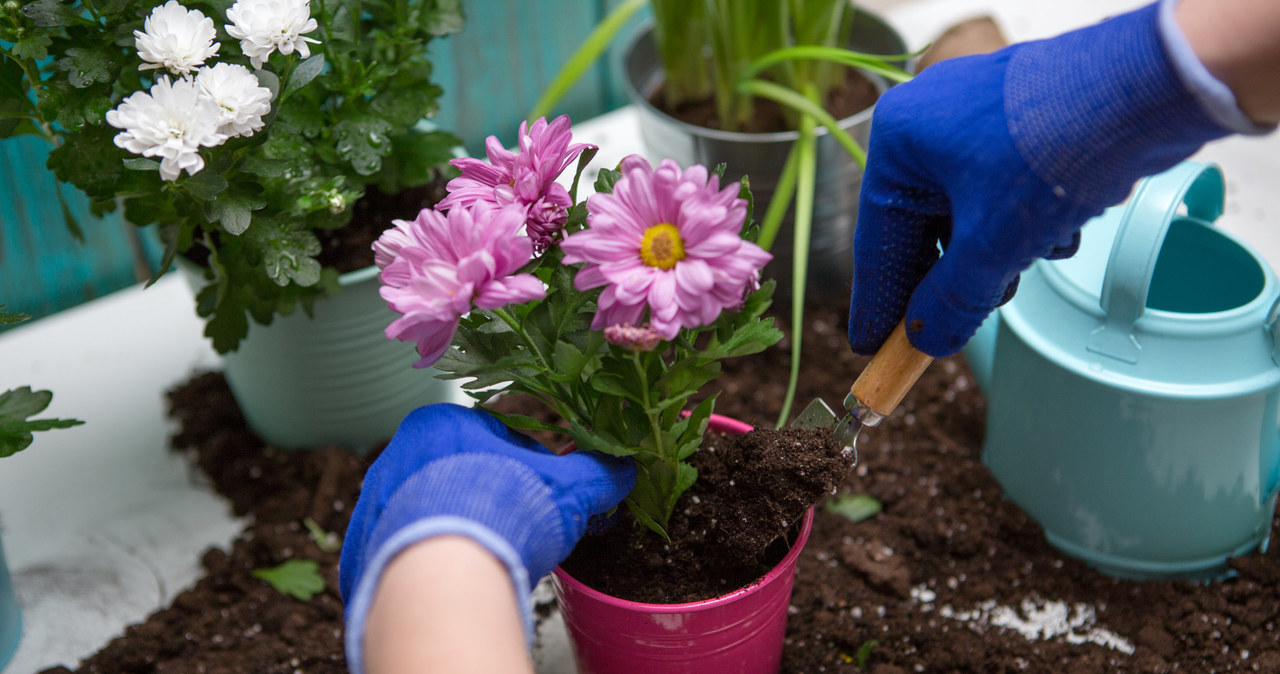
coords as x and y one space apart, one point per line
454 470
1001 158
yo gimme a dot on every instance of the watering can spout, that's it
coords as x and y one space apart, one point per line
980 352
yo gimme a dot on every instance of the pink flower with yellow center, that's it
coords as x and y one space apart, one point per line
526 178
435 268
666 241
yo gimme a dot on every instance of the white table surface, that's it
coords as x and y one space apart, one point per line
103 524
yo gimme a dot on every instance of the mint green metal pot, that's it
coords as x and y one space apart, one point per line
331 379
10 617
1133 389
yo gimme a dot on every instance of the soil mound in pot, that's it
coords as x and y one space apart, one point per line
729 529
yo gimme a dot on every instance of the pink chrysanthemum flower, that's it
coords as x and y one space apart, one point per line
526 178
435 268
667 241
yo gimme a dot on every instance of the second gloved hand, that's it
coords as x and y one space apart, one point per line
455 470
1001 158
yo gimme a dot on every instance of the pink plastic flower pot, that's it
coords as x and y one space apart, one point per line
736 633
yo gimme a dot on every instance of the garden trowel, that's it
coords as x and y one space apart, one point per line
892 372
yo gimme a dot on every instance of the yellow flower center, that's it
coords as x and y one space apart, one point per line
661 246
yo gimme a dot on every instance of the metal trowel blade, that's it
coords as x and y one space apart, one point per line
815 415
818 414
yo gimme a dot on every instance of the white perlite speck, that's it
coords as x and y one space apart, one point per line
1037 620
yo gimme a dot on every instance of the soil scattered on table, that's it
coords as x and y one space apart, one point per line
947 578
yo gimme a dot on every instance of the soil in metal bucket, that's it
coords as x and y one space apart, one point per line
852 95
948 577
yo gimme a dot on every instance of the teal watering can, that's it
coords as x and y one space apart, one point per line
1132 390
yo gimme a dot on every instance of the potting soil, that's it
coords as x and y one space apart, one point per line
948 577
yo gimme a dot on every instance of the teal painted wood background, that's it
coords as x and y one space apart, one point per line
42 267
492 74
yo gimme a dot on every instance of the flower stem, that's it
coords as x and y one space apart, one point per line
806 181
779 200
655 424
560 393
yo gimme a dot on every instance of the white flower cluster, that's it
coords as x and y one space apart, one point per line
206 105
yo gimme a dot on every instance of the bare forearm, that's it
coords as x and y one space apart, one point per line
445 605
1238 41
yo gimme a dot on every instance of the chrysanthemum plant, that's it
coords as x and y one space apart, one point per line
216 121
17 405
614 311
733 52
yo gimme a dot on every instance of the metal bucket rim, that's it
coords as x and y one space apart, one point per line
645 31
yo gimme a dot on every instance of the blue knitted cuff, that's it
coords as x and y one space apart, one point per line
1214 96
1094 110
357 612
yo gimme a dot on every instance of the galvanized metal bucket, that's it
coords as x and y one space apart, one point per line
761 156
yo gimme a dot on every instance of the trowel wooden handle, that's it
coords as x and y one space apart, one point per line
891 373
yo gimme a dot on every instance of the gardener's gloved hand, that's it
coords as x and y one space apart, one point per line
1002 157
454 470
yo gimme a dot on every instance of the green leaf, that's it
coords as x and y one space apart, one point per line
583 159
363 141
235 211
297 578
269 81
23 402
327 541
262 167
445 18
140 164
16 405
86 66
855 507
612 383
50 13
864 653
690 430
606 179
569 361
303 74
752 337
686 376
205 185
288 253
585 439
686 475
402 106
526 423
8 318
35 47
227 324
646 519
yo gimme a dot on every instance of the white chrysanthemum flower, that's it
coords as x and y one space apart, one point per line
241 100
172 122
263 26
175 38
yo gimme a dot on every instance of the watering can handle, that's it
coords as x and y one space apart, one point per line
1143 226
